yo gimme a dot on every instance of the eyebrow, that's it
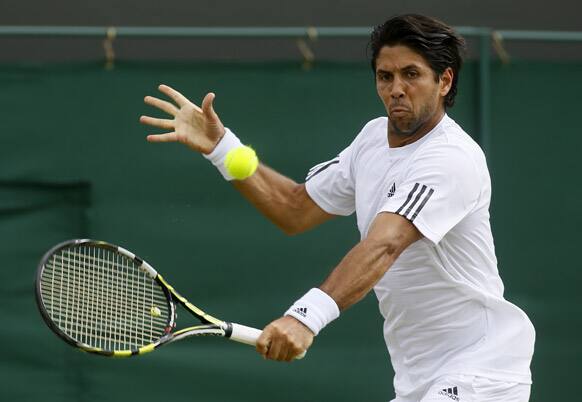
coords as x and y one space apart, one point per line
407 67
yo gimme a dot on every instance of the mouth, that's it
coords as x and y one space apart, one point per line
399 111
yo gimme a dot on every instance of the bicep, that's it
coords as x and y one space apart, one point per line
369 260
440 190
393 232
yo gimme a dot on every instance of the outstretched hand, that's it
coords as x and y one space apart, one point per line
198 128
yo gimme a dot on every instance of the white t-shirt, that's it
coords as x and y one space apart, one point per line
442 299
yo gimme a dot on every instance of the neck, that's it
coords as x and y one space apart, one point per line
396 139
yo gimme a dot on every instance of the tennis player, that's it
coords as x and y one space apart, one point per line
421 190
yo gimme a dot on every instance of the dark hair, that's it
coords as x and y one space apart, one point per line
437 42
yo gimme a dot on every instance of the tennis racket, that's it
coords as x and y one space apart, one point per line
105 300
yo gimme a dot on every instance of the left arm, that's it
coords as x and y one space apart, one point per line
349 282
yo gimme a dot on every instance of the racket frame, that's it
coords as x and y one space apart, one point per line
211 326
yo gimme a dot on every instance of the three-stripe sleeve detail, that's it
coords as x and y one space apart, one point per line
321 167
418 193
422 204
422 190
408 198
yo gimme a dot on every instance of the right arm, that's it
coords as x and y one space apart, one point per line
283 201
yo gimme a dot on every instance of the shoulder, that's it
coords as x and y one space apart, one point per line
375 124
374 128
451 148
372 132
454 134
450 157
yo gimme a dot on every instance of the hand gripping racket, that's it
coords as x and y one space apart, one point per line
104 299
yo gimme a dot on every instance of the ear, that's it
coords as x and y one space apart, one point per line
446 81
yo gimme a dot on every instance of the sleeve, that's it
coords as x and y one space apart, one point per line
440 188
331 184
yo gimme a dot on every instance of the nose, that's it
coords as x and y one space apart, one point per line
397 88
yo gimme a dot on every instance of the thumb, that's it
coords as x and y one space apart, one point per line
208 108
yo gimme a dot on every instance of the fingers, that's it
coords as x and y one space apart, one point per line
162 105
275 351
176 96
200 130
284 340
166 124
208 108
166 137
291 355
282 349
263 344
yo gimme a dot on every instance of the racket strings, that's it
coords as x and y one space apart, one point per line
103 299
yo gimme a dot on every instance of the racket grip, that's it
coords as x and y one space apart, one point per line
248 335
244 334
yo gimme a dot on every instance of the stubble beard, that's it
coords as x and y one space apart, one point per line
407 130
410 127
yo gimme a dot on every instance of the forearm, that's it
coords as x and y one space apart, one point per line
358 272
283 201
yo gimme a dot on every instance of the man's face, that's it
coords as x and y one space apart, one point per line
407 86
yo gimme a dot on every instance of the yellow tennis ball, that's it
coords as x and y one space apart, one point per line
155 311
241 162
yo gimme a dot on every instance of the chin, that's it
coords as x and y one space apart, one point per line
405 130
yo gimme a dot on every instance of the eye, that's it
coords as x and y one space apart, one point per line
412 73
383 76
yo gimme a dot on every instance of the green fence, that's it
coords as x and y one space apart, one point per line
75 163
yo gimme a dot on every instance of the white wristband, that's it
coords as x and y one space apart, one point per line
315 310
217 156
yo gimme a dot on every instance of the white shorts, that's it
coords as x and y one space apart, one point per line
468 388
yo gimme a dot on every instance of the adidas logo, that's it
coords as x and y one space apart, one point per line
452 393
392 190
302 311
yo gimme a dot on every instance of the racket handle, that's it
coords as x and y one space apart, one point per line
243 334
248 335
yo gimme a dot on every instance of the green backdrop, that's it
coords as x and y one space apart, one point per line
74 163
